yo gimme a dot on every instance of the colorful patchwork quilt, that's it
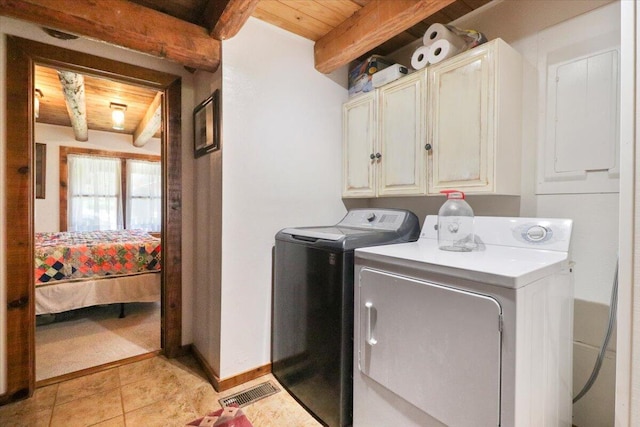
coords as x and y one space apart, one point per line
72 255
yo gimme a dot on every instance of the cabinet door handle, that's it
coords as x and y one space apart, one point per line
378 155
372 156
428 147
370 339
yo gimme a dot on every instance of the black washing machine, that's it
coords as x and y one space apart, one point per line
312 306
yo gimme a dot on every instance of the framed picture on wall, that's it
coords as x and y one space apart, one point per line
41 170
206 125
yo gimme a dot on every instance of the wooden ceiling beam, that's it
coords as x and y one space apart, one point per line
150 123
74 96
224 18
375 23
126 24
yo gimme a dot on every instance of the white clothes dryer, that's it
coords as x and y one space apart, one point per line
480 338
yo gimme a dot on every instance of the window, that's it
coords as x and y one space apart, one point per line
95 201
109 190
144 195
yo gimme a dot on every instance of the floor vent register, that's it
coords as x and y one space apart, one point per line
251 395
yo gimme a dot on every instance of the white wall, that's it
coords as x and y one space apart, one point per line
524 25
281 167
627 379
595 215
47 210
207 238
521 24
25 30
535 28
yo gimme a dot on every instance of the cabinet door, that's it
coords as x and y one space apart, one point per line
401 169
461 100
359 140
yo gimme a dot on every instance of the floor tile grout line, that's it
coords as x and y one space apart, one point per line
124 417
55 401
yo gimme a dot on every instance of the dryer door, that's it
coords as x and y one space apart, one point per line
436 347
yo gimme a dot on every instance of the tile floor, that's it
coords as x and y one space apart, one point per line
153 392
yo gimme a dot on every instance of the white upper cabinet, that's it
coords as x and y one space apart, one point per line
359 139
475 119
384 138
453 125
402 116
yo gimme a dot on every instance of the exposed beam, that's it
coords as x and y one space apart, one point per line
224 18
124 24
73 90
150 123
372 25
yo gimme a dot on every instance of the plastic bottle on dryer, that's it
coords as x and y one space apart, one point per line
455 223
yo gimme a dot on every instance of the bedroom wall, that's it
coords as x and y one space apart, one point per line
47 210
281 167
33 32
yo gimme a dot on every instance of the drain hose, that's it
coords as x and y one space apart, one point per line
603 349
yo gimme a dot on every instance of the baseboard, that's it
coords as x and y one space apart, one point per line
184 350
227 383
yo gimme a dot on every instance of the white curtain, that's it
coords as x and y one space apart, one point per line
94 196
144 195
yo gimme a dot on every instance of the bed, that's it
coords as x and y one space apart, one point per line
81 269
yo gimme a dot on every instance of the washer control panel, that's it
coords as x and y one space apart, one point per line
379 219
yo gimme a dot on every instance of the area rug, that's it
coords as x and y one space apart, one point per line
229 416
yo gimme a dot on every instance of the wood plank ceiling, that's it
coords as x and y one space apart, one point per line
314 19
335 25
99 93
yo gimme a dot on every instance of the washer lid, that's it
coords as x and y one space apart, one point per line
326 233
359 228
506 266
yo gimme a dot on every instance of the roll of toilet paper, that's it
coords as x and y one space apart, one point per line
437 32
419 58
441 50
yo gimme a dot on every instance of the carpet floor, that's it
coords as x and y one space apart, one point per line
93 336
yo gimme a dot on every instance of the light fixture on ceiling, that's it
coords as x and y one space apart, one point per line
117 115
36 102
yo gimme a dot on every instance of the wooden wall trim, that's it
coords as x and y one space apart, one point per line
19 224
58 57
224 18
172 220
375 23
65 151
126 24
21 56
228 383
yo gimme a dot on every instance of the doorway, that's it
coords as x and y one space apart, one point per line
98 263
22 56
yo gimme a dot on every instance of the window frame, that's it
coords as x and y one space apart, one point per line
64 175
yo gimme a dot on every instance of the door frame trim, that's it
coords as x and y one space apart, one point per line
22 55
